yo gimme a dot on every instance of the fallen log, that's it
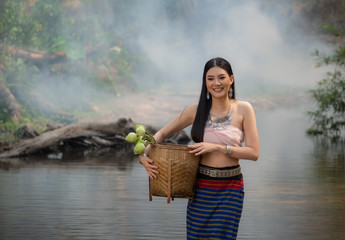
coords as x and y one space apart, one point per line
58 136
41 57
81 135
35 56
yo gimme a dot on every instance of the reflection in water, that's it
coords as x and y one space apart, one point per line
285 196
330 160
329 177
295 191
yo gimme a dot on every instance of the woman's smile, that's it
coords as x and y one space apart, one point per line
218 89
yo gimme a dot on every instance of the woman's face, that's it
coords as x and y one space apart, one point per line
218 82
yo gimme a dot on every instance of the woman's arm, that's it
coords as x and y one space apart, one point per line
185 119
251 150
180 122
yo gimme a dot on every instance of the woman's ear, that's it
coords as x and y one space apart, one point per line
232 79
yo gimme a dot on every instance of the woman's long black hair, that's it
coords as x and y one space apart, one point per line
205 104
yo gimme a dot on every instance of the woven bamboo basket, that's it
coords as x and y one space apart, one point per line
177 171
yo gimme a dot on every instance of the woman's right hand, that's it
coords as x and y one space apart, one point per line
150 168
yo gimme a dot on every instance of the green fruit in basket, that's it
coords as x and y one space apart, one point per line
140 131
131 137
139 148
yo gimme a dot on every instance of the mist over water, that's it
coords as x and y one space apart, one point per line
269 55
256 42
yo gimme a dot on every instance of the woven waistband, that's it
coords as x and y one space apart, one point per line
220 173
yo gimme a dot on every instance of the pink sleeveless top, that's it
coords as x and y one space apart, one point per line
230 135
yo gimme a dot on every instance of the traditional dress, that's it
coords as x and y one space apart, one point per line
215 210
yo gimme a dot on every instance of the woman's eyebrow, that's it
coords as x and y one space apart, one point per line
222 74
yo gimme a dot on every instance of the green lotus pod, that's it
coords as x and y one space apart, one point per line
140 130
131 137
139 148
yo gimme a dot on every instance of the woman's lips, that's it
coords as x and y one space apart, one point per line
217 89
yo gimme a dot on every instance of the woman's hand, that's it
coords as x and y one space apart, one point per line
151 169
202 148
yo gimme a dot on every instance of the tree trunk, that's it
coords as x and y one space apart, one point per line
35 56
10 102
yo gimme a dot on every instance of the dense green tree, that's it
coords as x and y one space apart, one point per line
329 95
326 20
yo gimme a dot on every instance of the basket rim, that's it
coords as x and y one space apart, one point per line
171 146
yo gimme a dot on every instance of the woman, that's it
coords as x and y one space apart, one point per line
220 125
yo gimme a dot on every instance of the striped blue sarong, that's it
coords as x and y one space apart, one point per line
215 211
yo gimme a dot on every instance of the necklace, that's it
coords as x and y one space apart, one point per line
219 122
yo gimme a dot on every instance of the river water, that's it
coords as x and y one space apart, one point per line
296 190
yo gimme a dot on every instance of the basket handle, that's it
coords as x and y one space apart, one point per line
150 193
169 181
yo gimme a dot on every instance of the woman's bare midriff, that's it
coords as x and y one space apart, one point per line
218 160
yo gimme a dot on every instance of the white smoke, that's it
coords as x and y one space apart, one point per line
264 55
257 44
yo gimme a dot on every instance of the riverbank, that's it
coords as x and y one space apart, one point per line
148 109
158 109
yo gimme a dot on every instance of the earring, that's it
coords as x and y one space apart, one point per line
230 93
207 95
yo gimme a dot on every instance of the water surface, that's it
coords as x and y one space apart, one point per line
296 190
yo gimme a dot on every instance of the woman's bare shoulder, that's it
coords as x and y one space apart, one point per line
193 107
190 112
243 103
244 106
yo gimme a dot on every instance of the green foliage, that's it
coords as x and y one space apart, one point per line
329 95
329 117
9 130
322 15
333 30
35 27
15 25
50 15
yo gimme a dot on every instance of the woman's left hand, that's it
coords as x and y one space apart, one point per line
202 148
